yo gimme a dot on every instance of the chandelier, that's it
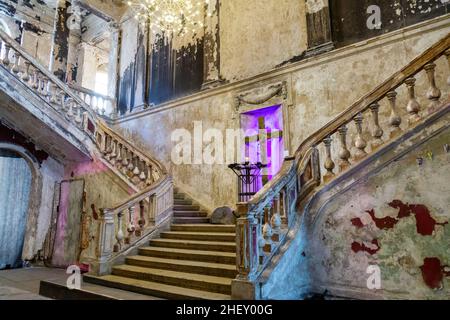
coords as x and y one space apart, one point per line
170 16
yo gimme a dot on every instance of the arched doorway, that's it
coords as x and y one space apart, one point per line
15 189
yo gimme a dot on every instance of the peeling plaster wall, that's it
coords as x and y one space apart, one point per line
31 23
256 36
398 220
103 190
321 88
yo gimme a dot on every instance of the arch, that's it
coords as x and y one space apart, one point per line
34 199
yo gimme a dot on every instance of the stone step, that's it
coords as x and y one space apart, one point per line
177 207
206 268
203 228
195 245
175 278
189 214
179 196
179 202
190 220
155 289
185 254
200 236
57 289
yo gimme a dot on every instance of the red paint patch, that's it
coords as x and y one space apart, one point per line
357 222
404 209
383 223
433 272
361 247
425 223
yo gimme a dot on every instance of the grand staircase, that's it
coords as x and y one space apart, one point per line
194 260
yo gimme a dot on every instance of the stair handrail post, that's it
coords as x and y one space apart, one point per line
247 254
106 238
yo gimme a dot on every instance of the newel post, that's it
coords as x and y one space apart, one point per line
105 246
247 255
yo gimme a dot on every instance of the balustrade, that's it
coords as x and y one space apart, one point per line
43 83
264 220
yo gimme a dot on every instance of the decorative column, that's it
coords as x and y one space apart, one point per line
74 25
113 64
61 34
318 26
211 46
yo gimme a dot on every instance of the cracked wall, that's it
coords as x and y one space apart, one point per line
397 220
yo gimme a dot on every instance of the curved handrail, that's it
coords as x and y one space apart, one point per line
13 44
147 176
259 216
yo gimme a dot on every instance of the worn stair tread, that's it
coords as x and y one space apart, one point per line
206 226
212 234
175 274
190 220
194 242
184 262
162 289
189 251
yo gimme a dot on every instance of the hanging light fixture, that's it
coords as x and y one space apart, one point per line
170 16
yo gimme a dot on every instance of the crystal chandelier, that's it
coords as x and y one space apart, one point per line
170 16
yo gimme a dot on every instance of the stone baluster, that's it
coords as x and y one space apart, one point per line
447 54
15 68
108 144
131 164
261 241
377 131
394 120
69 112
152 208
329 163
344 153
141 221
267 230
149 180
131 226
124 160
433 94
136 171
44 88
360 143
35 80
119 155
247 247
6 60
113 155
276 219
413 106
54 95
142 175
26 71
78 117
119 235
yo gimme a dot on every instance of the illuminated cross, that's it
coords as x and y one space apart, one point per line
264 151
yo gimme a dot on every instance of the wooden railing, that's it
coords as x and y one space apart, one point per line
136 216
101 104
259 235
46 85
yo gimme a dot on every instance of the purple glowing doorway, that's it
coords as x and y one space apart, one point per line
264 140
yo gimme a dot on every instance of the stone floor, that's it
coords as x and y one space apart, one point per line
23 284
